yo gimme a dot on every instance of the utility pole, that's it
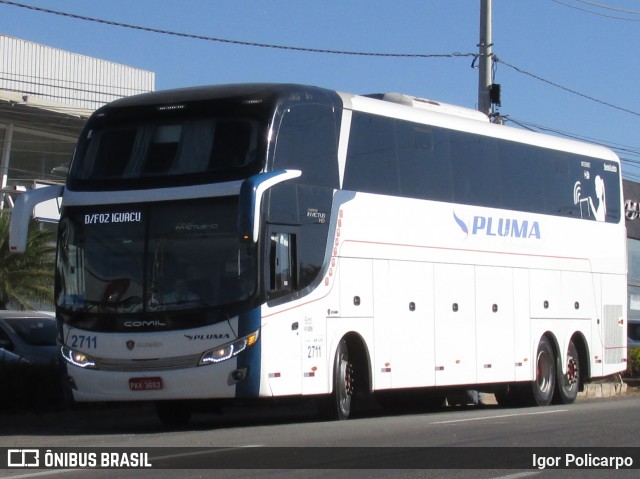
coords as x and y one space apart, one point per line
486 58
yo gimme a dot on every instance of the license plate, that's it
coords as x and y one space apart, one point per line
145 384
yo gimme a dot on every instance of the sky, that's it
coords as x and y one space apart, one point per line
567 67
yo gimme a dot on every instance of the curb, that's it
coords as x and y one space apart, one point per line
603 390
609 387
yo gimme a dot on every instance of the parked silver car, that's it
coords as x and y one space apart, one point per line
9 357
29 335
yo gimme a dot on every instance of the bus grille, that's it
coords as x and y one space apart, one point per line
154 364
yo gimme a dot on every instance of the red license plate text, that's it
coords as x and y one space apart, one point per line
145 384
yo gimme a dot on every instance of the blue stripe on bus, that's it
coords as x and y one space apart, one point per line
250 359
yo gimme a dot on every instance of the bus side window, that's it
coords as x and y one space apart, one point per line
281 266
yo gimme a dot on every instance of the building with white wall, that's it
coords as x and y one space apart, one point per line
46 95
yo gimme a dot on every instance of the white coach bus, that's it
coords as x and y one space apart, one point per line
260 241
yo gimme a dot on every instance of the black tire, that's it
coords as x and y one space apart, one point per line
540 391
568 383
174 413
339 406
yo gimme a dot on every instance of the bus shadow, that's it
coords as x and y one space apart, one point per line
141 418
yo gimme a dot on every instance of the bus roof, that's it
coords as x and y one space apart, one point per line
397 105
431 105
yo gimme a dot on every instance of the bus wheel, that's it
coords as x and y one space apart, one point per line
174 413
540 391
343 384
567 384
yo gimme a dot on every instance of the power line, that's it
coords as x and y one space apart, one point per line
608 7
575 136
59 97
600 14
557 85
310 50
317 50
629 150
61 82
60 87
41 116
236 42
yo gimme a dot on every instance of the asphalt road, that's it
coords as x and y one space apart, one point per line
353 447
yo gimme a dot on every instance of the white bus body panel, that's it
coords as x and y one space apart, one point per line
495 333
477 270
281 370
436 267
403 325
455 332
521 325
613 327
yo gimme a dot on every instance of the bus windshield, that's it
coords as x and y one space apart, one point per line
139 149
151 258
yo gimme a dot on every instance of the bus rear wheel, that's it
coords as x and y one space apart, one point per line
568 383
540 391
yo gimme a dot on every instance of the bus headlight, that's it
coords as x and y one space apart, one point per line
229 350
77 358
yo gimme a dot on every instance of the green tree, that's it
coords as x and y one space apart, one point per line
28 276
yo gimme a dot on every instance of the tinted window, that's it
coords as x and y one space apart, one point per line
35 331
522 172
281 273
186 147
371 158
474 161
423 161
308 141
395 157
559 197
150 146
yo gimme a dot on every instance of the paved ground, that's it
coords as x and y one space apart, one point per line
142 416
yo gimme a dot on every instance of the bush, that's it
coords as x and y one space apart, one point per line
30 387
633 363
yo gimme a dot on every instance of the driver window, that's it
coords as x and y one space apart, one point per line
281 270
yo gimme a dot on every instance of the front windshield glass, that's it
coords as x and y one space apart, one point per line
154 146
151 258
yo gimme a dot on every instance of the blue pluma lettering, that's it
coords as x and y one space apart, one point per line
504 227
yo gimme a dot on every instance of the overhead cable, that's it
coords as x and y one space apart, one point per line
236 42
600 14
609 7
312 50
569 90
